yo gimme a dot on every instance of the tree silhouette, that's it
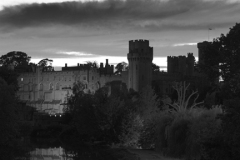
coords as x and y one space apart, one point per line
18 59
9 124
93 64
223 54
183 105
46 64
230 52
120 67
155 68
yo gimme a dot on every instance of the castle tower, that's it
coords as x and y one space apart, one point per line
140 58
172 64
182 65
201 50
190 64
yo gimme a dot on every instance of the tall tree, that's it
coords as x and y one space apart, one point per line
10 145
155 68
183 103
148 103
223 54
120 67
9 76
230 52
93 64
46 64
16 58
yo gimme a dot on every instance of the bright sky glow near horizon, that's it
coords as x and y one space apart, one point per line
78 31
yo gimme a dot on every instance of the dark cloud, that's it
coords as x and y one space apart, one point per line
143 14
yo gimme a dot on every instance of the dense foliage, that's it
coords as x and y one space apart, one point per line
18 59
10 143
46 64
101 116
10 77
121 67
221 58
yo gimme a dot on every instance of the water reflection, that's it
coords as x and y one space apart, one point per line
47 149
50 154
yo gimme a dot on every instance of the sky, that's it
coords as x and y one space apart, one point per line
78 31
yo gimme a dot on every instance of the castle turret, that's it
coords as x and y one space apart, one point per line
140 58
201 50
172 64
190 64
182 65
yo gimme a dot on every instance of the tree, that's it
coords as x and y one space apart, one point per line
230 52
121 67
9 76
19 60
93 64
148 108
231 128
148 103
227 49
155 68
77 90
222 56
16 58
46 64
10 145
78 87
183 105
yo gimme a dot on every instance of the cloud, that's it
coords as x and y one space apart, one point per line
184 44
65 53
75 53
150 15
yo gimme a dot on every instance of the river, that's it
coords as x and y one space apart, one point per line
49 150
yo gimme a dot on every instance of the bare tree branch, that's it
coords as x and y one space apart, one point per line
182 104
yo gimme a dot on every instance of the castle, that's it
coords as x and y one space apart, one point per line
48 91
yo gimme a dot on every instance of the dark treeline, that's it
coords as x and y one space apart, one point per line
13 126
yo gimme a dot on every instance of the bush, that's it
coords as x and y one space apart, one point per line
230 134
131 128
185 134
177 136
203 129
147 135
160 140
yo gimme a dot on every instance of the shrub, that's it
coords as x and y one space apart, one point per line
176 135
131 128
204 126
164 120
184 134
147 135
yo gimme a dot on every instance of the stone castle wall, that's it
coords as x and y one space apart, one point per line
48 91
181 64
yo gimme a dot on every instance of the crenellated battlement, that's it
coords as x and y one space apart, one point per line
141 41
202 44
140 50
138 46
181 64
201 50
